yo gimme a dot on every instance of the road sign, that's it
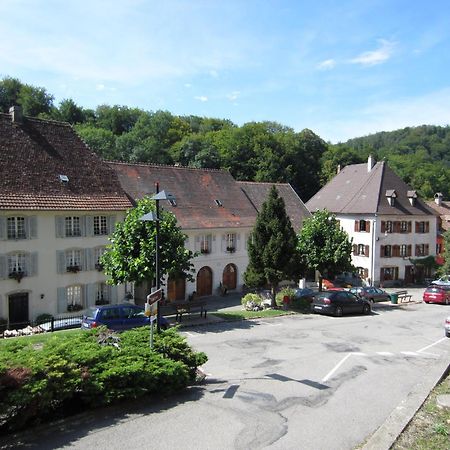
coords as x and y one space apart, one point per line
154 297
151 309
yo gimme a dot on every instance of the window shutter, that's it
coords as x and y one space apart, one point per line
238 241
366 250
224 243
383 226
111 224
409 227
60 261
83 259
59 226
396 250
31 264
32 227
113 294
89 226
382 251
355 249
90 294
409 250
3 232
417 227
83 225
427 249
356 225
84 295
367 226
396 227
417 250
62 302
197 243
427 227
3 266
89 258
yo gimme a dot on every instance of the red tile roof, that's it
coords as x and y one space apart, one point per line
33 155
444 212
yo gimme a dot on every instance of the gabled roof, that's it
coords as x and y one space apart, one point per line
355 190
195 191
258 193
443 210
33 155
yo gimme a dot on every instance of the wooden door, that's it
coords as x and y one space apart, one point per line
176 289
229 278
18 310
204 282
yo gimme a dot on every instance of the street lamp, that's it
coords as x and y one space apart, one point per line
154 217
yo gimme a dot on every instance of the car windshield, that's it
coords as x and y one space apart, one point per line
434 289
90 313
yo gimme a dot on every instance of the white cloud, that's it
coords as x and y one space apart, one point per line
201 98
328 64
234 95
371 58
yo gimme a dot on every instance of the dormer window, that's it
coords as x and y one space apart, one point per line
64 179
172 202
218 202
391 195
412 197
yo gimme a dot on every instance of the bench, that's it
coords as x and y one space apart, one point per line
188 307
403 296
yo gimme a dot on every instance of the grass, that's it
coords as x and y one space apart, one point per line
243 314
430 427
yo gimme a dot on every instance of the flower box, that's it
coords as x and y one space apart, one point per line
73 269
231 249
17 275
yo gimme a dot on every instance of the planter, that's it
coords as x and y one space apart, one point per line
231 249
73 308
73 269
17 275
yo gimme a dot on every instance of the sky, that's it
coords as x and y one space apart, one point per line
340 68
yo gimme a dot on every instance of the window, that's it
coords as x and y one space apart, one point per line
73 260
404 226
73 296
16 228
205 243
386 251
422 227
389 273
102 294
403 250
231 242
72 226
389 227
438 249
100 225
361 249
421 249
16 263
98 253
362 225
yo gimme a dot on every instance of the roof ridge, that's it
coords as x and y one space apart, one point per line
171 166
38 119
265 182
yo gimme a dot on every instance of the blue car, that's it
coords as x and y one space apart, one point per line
118 317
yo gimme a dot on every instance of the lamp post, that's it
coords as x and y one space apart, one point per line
154 217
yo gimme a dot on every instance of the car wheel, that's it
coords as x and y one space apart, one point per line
371 300
366 309
447 333
338 311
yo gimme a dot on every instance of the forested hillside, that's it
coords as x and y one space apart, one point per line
256 151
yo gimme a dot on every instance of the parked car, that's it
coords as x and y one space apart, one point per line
437 294
347 279
447 327
304 294
339 303
444 281
117 317
371 293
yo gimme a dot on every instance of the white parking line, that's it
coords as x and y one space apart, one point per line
336 367
385 354
431 345
410 353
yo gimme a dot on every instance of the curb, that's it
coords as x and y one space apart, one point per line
386 436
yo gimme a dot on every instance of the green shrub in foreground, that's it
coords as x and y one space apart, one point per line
35 380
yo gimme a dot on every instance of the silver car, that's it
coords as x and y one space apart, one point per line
443 281
447 327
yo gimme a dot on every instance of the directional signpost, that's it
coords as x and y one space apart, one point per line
151 309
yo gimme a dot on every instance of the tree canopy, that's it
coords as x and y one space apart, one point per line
272 246
131 255
324 246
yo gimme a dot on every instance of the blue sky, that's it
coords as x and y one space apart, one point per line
341 68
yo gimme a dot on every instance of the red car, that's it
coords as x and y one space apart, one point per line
437 294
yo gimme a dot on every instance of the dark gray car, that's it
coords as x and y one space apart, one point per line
338 303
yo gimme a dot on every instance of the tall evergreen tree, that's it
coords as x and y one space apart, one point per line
272 247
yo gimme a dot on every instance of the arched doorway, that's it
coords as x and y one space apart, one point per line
176 289
229 277
204 282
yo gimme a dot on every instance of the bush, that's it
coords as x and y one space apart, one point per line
289 292
89 370
252 302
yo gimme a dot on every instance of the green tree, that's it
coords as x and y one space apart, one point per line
323 246
445 268
69 111
272 247
131 255
101 141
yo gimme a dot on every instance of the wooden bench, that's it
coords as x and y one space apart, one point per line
188 307
403 296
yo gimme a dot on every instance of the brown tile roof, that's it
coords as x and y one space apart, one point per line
443 210
195 191
295 208
354 190
34 153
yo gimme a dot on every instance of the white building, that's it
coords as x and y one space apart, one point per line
58 203
390 227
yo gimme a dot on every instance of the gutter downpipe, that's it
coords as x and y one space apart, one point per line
372 262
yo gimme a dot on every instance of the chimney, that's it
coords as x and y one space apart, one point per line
338 168
370 163
16 114
438 198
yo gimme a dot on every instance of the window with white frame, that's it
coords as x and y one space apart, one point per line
362 225
16 263
403 250
389 226
205 243
387 251
72 226
421 249
74 298
361 249
389 273
231 242
403 226
73 260
100 225
16 228
102 294
98 253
